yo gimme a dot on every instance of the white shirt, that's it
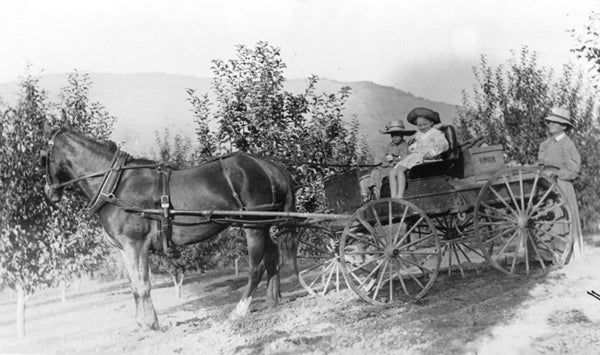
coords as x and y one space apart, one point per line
432 143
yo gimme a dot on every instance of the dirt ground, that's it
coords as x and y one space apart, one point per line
484 313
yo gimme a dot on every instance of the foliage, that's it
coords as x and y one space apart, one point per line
24 251
588 44
507 107
75 234
305 133
41 245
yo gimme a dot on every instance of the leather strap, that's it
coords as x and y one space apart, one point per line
233 192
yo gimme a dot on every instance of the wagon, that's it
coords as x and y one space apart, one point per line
465 210
461 211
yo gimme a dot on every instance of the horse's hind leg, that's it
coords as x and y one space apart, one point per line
135 258
271 260
256 248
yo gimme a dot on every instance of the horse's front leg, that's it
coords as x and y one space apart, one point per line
135 257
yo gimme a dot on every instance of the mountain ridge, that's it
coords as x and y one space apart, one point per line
147 102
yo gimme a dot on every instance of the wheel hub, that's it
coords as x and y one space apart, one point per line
391 252
523 221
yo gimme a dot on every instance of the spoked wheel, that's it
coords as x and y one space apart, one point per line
460 249
390 252
318 262
523 221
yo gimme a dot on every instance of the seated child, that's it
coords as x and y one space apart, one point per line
429 142
393 153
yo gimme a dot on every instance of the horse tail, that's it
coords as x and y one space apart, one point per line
288 236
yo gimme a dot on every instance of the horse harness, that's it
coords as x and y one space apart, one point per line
112 176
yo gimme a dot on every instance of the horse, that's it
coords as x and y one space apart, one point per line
234 182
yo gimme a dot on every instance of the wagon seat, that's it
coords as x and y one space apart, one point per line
449 163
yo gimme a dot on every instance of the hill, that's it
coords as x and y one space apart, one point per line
148 102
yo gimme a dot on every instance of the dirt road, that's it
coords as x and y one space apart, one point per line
485 313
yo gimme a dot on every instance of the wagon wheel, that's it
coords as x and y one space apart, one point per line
390 252
458 241
522 220
317 263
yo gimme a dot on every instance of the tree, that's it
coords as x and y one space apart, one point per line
75 234
507 107
24 252
303 132
587 44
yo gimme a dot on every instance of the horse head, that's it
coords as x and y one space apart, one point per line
54 162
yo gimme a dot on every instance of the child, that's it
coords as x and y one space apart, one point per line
393 153
429 142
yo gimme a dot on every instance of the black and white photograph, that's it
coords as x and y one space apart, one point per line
299 177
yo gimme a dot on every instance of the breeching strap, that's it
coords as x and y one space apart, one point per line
230 183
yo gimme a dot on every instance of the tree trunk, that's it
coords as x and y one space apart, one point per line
76 285
63 292
20 311
177 282
237 270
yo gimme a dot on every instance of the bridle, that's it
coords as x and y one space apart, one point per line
110 176
51 185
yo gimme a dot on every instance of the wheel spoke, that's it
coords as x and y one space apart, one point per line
502 200
371 273
551 234
412 276
400 224
328 279
508 243
511 194
507 230
522 190
376 215
365 264
420 267
355 236
404 246
548 209
369 228
478 252
325 270
516 253
532 193
460 248
406 234
498 211
458 261
543 198
381 276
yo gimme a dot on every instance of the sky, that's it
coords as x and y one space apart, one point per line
426 47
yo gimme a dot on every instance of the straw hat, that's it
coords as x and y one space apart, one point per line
560 115
423 112
397 127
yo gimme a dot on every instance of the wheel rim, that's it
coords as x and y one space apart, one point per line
390 252
460 249
523 221
318 263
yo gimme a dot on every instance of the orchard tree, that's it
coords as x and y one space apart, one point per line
587 44
24 250
75 234
304 132
507 107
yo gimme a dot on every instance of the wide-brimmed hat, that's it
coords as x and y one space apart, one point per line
560 115
397 127
423 112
